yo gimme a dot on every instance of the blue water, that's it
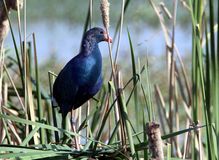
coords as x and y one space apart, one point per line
64 40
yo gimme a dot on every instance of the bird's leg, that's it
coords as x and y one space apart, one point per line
73 127
64 126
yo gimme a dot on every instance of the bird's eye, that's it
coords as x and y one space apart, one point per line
101 32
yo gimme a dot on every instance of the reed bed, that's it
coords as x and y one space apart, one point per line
119 122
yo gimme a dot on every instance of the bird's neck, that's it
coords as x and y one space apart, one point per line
88 46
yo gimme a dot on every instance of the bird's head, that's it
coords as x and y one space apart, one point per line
98 34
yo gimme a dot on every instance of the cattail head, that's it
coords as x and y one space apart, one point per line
104 7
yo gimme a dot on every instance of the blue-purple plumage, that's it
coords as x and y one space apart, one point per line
81 77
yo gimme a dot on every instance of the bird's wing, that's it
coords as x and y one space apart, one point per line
65 88
87 92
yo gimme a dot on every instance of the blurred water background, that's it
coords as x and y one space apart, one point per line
58 26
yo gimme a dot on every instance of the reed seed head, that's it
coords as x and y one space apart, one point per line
104 7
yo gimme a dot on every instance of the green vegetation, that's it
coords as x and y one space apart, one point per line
184 98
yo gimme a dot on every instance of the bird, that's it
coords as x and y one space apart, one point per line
81 77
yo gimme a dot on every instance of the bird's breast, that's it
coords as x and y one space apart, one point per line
94 67
90 70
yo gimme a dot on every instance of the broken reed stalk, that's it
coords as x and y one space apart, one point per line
51 77
155 141
118 114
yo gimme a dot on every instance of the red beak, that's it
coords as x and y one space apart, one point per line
107 38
